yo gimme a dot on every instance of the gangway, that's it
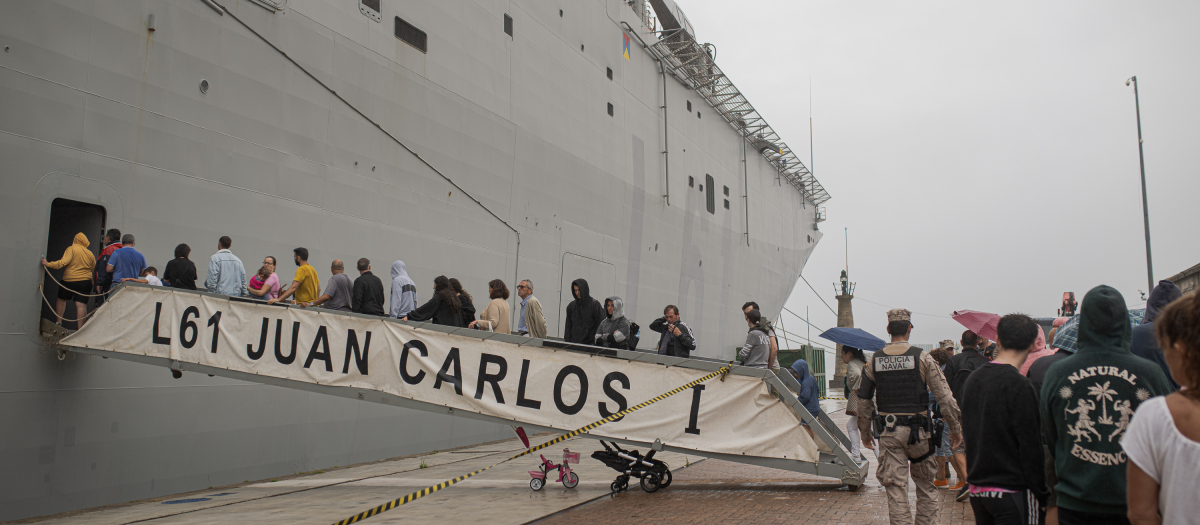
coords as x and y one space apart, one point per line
748 415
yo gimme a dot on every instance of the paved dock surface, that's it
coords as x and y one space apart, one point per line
499 495
706 491
715 491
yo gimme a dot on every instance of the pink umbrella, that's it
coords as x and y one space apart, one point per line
982 323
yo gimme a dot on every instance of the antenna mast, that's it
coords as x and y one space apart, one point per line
810 128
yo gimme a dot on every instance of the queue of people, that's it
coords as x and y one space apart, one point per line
1039 434
587 320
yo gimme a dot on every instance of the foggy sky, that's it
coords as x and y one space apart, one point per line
983 155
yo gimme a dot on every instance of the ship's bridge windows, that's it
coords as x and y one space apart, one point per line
508 29
727 192
411 35
610 73
610 109
727 204
689 106
711 194
691 181
371 9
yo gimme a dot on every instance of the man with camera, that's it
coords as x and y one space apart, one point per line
676 339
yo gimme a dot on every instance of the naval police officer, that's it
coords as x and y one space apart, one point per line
896 383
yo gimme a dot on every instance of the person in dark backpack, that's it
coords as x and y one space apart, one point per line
957 370
112 243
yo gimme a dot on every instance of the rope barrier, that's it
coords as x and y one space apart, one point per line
582 430
41 293
47 270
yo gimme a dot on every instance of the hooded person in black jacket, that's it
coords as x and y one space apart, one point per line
1145 344
583 315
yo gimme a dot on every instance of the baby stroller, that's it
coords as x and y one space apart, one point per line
654 474
565 476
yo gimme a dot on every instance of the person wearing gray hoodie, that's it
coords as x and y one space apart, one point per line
756 353
404 292
614 329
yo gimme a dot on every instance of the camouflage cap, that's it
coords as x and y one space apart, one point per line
946 343
899 314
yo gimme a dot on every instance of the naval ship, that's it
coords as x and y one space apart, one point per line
547 140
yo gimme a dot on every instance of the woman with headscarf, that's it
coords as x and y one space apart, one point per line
443 308
495 317
614 329
404 292
1039 351
464 299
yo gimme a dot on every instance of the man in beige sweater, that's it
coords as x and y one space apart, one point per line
530 322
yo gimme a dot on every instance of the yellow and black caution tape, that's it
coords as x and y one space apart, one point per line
583 430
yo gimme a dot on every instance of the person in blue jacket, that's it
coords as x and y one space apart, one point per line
809 395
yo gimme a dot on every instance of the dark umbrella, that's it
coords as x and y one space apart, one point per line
855 337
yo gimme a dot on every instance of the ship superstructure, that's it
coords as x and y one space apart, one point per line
523 139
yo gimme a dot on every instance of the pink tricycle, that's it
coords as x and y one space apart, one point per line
569 479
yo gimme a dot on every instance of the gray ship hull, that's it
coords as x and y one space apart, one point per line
487 156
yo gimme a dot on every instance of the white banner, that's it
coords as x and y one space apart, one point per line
527 384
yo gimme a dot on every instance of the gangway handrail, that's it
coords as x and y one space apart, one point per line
848 471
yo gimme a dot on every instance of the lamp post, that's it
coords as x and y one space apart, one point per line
1145 206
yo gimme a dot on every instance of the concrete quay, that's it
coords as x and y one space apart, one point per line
703 491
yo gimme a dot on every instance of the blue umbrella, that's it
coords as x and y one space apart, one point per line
1067 336
855 337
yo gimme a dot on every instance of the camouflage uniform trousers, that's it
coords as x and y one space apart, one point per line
894 470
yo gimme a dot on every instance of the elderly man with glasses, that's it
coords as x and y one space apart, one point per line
530 322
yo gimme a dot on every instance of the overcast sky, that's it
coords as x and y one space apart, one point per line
983 155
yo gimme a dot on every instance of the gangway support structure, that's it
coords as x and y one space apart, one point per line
748 416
